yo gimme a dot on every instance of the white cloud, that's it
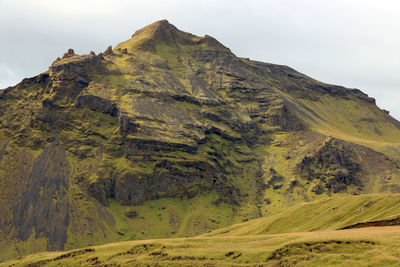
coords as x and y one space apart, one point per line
8 76
70 8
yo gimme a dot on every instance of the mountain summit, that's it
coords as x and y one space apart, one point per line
172 135
164 33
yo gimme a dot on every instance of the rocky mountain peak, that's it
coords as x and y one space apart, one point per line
70 53
164 33
156 29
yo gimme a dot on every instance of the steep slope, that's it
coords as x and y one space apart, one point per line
340 212
170 134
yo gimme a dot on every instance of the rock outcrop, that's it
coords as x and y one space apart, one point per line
335 164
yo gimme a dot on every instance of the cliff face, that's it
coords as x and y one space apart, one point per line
111 146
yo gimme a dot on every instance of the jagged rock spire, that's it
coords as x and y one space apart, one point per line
70 53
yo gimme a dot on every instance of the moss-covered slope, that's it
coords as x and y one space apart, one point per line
334 213
170 134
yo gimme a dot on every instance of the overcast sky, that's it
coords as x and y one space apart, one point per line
354 43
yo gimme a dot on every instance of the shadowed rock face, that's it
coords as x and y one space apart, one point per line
335 164
168 114
97 104
43 207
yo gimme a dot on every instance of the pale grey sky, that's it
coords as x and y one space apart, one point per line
354 43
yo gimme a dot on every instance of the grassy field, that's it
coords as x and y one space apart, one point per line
304 235
355 247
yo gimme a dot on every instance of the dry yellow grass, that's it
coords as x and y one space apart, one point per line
324 214
356 247
303 235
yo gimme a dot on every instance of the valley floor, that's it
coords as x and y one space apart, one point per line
371 246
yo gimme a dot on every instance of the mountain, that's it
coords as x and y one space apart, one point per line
171 135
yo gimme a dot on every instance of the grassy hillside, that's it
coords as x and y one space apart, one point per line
356 121
357 247
325 214
303 235
171 217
